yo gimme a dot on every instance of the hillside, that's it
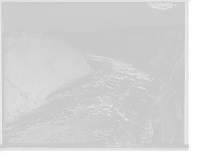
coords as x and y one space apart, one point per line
32 63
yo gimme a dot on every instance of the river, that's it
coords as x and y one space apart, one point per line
110 106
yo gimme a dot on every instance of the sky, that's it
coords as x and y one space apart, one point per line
85 17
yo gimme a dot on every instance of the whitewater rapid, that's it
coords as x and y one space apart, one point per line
110 106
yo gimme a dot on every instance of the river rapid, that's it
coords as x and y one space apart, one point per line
111 106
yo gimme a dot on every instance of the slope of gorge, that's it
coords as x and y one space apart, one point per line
32 66
160 50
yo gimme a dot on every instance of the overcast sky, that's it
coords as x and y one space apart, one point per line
85 17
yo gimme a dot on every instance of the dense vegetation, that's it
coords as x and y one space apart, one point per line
34 65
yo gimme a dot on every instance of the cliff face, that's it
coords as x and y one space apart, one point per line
160 48
34 65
